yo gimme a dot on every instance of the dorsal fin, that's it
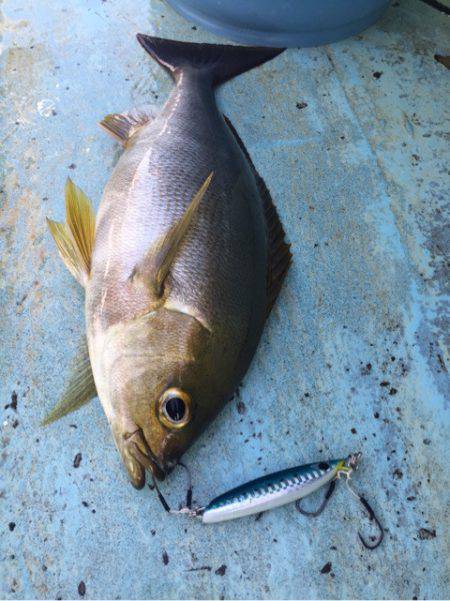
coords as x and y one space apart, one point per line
157 262
123 125
75 238
279 254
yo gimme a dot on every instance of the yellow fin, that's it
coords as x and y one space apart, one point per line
80 218
123 125
75 238
158 260
80 388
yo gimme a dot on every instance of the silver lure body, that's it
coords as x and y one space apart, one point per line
271 491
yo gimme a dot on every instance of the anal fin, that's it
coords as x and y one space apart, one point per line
279 254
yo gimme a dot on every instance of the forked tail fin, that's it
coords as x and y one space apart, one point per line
217 61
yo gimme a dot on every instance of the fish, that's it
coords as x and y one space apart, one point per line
181 265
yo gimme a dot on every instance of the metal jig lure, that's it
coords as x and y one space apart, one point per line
278 489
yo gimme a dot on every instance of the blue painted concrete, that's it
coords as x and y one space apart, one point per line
360 180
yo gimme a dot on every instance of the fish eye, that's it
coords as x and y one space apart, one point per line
175 408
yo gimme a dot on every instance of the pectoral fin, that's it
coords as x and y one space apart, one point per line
157 262
75 238
79 391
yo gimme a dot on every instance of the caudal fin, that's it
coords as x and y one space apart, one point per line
219 62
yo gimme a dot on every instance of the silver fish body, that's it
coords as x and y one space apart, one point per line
150 189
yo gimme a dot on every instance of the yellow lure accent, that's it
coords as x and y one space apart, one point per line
342 468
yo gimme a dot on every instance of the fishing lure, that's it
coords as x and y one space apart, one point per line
277 489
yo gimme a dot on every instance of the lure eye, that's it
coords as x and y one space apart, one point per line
175 408
323 465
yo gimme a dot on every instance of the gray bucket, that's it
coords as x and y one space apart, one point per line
282 23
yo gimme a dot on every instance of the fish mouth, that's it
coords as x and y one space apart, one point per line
141 458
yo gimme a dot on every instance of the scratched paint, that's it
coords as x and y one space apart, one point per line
354 356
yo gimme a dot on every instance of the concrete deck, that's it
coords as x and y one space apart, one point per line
360 178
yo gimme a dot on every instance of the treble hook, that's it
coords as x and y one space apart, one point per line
317 512
372 517
162 499
351 463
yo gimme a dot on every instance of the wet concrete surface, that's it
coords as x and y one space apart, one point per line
352 140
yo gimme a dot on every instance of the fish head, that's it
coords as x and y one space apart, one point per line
159 389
